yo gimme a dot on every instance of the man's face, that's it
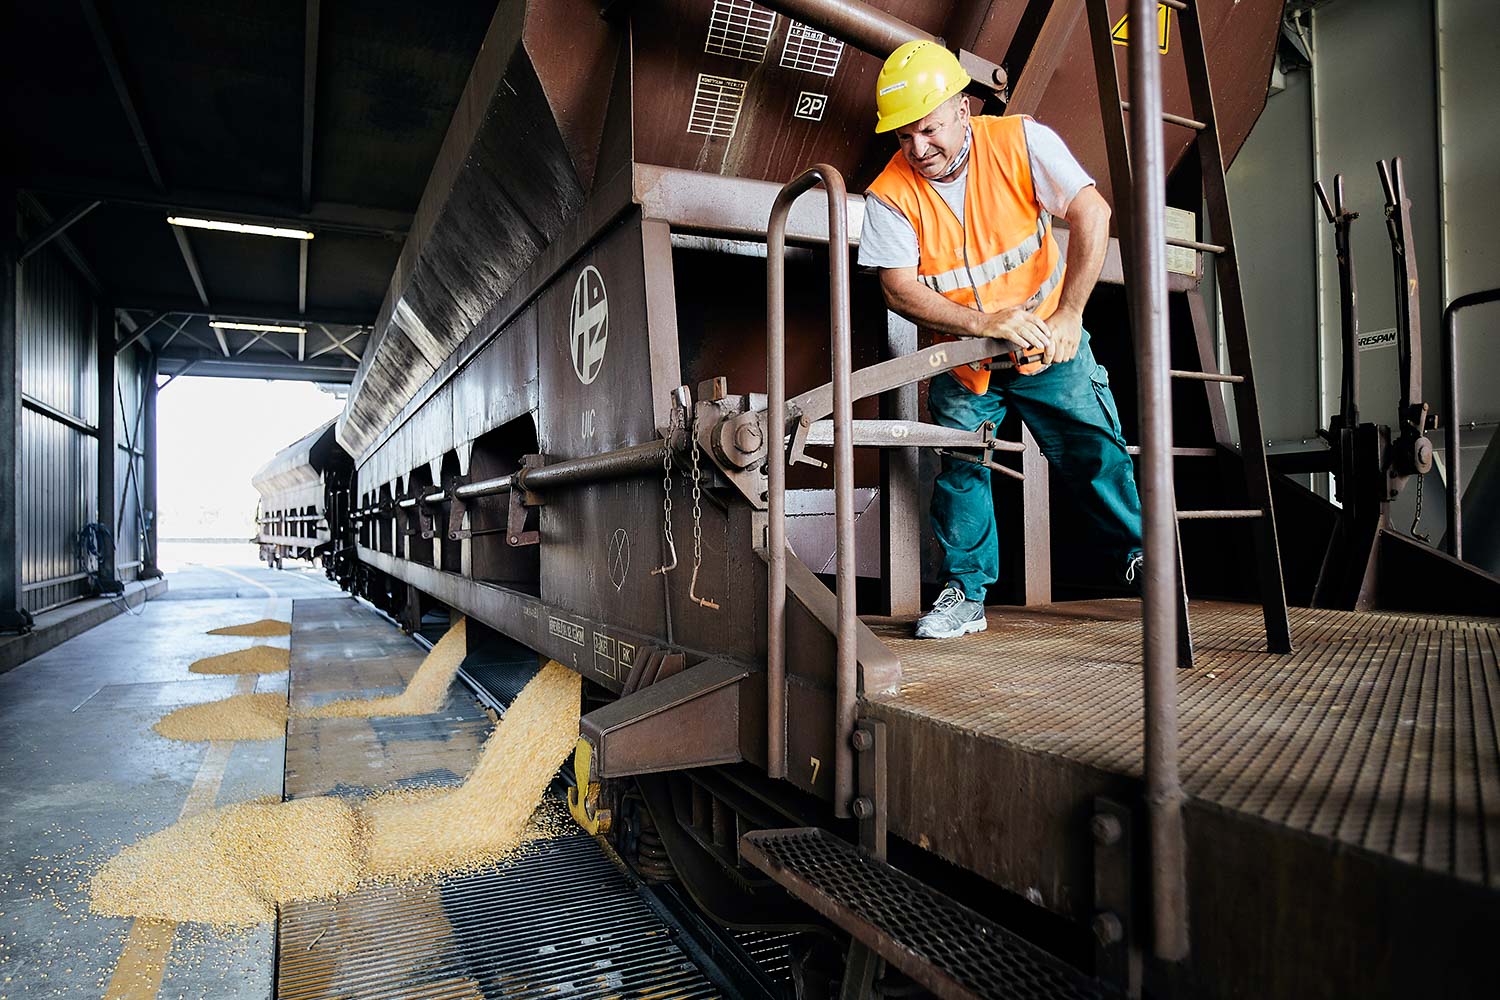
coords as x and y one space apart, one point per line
931 143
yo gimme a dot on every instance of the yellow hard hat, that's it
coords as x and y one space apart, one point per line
916 78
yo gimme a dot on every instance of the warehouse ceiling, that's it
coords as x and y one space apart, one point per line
302 115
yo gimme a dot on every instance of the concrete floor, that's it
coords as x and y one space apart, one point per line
82 775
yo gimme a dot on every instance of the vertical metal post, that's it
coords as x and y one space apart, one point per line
1453 445
846 676
104 342
1148 305
900 502
10 405
149 563
1036 540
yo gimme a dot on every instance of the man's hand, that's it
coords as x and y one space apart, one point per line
1066 326
1021 328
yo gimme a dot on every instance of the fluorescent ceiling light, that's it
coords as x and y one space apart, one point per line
240 227
257 327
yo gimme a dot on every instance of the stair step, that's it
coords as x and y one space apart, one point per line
1179 452
1172 119
938 942
1206 376
1220 515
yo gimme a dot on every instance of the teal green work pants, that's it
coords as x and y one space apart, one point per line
1071 413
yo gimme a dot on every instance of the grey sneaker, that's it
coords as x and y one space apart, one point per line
951 615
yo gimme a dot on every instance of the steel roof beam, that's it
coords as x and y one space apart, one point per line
309 103
34 207
302 277
209 363
136 333
123 90
58 227
191 261
267 312
353 220
336 343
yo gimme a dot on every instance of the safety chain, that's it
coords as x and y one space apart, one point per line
666 512
697 523
1420 536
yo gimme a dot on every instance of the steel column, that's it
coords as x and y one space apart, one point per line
900 485
104 342
150 566
1148 306
1450 413
10 406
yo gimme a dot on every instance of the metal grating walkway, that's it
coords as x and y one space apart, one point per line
561 921
1380 731
946 947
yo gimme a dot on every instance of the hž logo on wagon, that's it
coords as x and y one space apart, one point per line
589 328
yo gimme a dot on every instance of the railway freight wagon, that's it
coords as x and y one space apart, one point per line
303 511
571 426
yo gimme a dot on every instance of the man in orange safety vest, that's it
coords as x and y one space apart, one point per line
959 224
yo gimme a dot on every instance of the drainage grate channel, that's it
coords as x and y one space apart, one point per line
943 945
561 920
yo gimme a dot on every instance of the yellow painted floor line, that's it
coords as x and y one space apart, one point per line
143 960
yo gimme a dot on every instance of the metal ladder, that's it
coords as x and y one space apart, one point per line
1247 411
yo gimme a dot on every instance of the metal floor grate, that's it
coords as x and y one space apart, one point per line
1380 731
560 921
941 944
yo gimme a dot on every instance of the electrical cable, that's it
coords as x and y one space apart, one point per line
95 549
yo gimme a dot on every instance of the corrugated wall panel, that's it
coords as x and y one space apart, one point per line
59 462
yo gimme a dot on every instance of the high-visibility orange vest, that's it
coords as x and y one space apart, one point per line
1003 254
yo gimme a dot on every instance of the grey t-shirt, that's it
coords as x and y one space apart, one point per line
888 239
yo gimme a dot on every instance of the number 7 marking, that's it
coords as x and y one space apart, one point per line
816 763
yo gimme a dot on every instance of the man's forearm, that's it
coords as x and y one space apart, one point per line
926 308
1088 242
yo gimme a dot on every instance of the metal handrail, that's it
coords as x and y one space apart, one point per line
1450 412
1148 308
846 677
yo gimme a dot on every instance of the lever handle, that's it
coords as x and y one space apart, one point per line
1323 200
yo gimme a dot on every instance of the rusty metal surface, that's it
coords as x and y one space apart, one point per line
341 649
943 945
1379 732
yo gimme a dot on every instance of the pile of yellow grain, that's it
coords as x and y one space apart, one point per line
482 819
426 693
255 660
264 627
233 865
238 717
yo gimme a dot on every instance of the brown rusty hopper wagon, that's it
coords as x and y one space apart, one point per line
562 430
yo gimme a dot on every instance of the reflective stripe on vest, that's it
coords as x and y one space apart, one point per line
987 271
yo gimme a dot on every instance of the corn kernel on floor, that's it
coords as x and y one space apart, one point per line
82 774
